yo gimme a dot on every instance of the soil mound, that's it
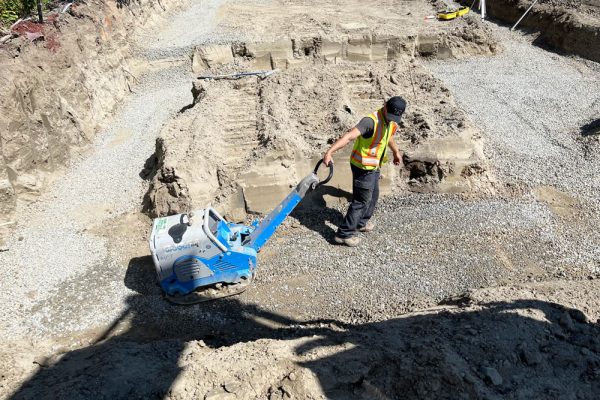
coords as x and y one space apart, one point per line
264 135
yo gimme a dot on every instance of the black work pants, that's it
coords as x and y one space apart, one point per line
365 193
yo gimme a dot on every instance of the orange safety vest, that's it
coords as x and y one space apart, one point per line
367 153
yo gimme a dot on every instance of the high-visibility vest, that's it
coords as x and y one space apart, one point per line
367 153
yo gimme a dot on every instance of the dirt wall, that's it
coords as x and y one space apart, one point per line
460 41
57 89
562 25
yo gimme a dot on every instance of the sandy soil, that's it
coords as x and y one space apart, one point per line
481 280
520 342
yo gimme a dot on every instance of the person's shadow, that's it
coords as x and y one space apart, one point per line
314 214
518 350
591 128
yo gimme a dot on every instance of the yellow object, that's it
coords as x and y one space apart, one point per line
447 15
367 152
462 11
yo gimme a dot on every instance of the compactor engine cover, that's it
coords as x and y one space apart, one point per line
200 256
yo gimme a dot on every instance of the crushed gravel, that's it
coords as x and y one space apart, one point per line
425 248
55 244
186 30
531 105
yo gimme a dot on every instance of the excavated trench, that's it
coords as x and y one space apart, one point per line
59 88
244 142
566 25
240 145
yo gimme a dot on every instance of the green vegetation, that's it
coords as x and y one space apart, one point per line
12 10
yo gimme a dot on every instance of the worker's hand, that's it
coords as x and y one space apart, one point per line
397 158
327 159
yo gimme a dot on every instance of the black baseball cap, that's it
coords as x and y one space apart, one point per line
395 107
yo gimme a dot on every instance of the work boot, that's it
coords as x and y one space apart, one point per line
368 227
352 241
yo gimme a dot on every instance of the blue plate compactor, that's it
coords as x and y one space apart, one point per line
200 256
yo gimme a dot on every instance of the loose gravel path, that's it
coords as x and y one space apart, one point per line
58 275
51 243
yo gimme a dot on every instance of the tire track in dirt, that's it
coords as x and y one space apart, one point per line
240 133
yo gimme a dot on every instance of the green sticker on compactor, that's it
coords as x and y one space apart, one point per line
161 224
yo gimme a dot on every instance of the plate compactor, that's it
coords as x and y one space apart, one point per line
200 256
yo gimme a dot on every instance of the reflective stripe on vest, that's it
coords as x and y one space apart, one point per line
367 153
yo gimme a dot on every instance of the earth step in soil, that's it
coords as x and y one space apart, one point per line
295 124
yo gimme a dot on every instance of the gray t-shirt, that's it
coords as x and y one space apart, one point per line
365 126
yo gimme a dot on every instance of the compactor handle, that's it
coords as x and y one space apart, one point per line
330 172
269 224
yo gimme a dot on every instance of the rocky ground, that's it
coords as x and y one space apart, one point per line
482 283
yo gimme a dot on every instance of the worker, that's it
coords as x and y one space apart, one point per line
371 138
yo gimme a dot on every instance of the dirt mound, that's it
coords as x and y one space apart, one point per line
589 7
245 142
241 144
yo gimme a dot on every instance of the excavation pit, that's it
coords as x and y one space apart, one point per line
246 142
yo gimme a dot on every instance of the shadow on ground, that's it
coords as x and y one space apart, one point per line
314 214
591 128
518 350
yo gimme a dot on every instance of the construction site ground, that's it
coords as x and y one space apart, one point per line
480 281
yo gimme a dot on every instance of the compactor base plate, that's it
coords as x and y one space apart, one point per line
213 292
